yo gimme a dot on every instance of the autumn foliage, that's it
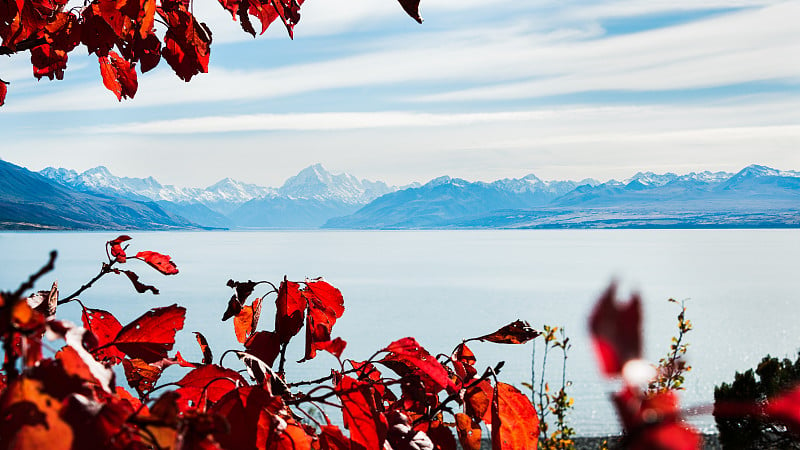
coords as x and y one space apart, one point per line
401 397
59 388
124 34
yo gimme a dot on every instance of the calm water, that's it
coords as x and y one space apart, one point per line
441 286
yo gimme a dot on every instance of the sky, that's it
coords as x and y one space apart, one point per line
481 90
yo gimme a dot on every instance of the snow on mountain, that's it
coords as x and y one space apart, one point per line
706 177
101 180
652 179
314 182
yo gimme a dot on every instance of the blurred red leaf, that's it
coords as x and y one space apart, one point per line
119 75
410 354
152 335
162 263
367 426
290 310
616 331
785 408
105 327
469 432
325 305
653 421
517 332
515 424
31 418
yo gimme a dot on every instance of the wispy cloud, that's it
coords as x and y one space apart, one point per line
512 63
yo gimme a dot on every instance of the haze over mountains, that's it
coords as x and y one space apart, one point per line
57 198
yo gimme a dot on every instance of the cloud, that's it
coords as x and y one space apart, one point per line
490 62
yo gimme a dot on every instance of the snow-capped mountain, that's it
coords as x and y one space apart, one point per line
101 181
307 199
314 182
755 196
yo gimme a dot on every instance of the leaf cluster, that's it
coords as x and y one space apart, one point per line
123 34
401 397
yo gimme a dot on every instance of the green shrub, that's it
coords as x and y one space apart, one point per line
738 406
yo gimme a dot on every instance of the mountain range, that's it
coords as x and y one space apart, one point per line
58 198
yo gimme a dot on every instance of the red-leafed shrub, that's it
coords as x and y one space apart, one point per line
402 397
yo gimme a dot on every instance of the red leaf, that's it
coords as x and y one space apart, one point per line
211 382
331 438
411 7
517 332
116 248
416 359
478 401
463 362
514 421
401 436
105 327
119 76
785 408
264 345
141 375
246 321
325 305
186 43
48 61
201 340
249 410
367 426
292 437
653 421
334 347
31 418
162 263
469 432
152 335
290 310
440 435
3 92
138 285
616 331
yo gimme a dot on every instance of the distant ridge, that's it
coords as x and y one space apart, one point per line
756 196
306 200
31 201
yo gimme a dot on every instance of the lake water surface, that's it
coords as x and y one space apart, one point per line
742 289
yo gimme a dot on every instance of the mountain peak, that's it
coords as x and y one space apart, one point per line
315 182
756 170
98 171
